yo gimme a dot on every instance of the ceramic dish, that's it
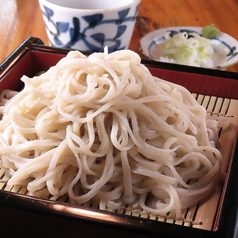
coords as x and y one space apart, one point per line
225 47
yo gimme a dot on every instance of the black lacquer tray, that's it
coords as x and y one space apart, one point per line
25 216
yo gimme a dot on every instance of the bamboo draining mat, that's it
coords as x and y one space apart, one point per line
203 215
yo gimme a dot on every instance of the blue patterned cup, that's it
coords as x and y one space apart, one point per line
89 25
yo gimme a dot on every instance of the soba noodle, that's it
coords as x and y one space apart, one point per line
103 129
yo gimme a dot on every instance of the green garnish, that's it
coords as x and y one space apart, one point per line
210 31
187 48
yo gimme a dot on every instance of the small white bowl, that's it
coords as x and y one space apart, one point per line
225 47
89 25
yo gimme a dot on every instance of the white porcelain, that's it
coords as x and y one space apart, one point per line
89 25
225 47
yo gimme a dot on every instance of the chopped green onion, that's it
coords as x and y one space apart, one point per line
189 49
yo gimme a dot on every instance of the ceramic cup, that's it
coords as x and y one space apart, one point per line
89 25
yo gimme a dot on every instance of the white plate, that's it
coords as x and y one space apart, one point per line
225 47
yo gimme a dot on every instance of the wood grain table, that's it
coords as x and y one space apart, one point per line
22 18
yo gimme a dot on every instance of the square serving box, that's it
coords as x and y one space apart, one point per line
216 217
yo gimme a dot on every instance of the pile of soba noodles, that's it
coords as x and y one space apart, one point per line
102 129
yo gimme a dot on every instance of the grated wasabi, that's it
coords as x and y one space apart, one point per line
210 31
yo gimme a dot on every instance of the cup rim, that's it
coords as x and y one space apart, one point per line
47 3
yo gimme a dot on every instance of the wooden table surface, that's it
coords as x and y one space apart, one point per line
22 18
